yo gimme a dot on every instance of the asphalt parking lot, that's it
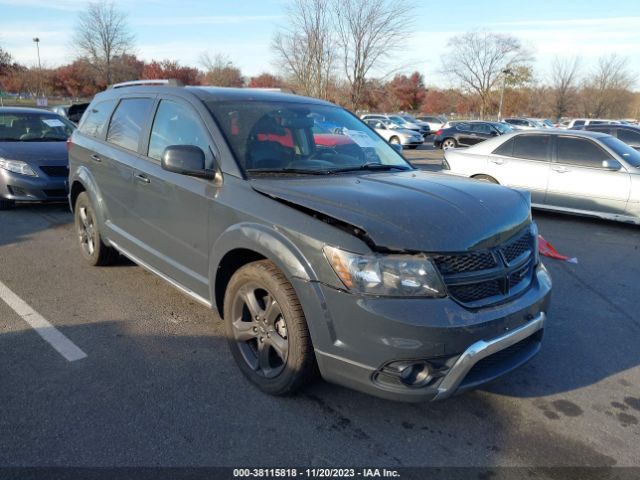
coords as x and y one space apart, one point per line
158 386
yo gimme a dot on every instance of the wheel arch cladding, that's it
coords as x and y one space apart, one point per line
245 243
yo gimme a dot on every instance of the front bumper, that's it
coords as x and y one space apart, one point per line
23 188
357 339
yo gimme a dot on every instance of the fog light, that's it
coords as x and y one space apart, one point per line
415 374
411 373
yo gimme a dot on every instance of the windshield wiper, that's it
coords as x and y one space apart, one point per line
369 166
301 171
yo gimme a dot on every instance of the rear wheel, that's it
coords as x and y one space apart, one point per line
94 251
6 204
266 329
448 143
485 178
394 140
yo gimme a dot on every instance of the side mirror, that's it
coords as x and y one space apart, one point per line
185 160
380 126
612 165
397 147
493 133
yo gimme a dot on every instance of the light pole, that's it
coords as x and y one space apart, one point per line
505 72
37 41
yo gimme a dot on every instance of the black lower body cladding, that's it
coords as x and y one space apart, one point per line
421 349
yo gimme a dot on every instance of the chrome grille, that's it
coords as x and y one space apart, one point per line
486 277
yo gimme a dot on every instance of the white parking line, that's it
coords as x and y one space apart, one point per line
48 332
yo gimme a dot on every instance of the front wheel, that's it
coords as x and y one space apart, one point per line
394 141
266 329
94 251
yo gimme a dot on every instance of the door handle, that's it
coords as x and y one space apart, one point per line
96 158
497 161
142 178
560 169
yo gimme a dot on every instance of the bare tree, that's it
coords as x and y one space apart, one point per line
564 73
606 93
369 32
305 50
101 35
220 71
477 60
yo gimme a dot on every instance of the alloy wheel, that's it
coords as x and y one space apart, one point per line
260 330
87 231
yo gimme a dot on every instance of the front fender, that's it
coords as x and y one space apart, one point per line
268 242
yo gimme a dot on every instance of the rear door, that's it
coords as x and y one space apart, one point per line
523 162
171 211
464 134
578 181
115 159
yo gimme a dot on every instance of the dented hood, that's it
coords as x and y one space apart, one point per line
409 211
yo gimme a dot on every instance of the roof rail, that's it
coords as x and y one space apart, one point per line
172 82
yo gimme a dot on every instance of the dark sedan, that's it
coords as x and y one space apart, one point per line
629 134
33 156
465 134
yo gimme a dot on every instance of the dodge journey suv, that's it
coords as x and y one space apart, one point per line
322 252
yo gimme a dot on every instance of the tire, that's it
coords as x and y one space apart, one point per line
6 204
448 143
394 140
94 251
485 178
267 331
412 147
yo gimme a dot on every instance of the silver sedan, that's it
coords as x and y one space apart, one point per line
584 173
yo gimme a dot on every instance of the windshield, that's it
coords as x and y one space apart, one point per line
397 120
628 154
409 118
287 137
503 128
34 127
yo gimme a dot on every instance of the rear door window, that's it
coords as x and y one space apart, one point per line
580 152
128 121
578 123
96 117
532 147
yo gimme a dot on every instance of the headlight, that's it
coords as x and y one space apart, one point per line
388 275
17 166
534 234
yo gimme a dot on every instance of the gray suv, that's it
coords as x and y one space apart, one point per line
323 252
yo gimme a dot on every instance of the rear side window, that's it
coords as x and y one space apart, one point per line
505 149
176 124
532 147
632 137
128 121
481 128
581 152
577 123
96 117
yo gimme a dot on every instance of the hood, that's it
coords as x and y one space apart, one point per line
35 153
410 211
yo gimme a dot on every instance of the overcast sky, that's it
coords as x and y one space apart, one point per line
243 30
